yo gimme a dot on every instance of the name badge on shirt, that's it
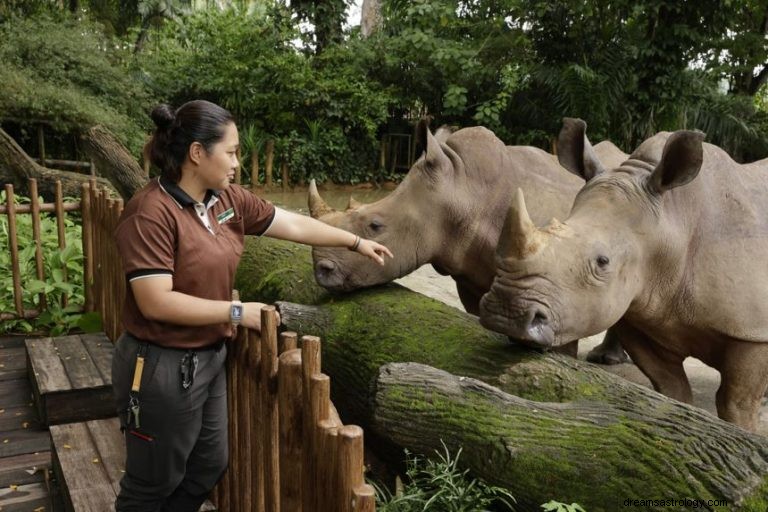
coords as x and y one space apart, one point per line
225 215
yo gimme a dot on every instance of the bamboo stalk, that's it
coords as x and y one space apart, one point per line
85 202
13 242
270 412
291 433
35 206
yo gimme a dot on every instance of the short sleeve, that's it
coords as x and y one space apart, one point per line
258 213
146 245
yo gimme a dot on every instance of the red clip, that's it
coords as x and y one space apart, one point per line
140 435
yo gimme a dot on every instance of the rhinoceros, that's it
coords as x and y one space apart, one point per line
669 246
448 211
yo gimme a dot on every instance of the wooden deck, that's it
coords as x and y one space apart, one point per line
25 445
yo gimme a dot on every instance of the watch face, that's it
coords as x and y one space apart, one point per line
237 311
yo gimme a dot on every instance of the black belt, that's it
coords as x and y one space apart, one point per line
215 346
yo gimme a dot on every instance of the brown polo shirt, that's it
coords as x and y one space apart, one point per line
164 231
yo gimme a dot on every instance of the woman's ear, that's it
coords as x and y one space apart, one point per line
195 153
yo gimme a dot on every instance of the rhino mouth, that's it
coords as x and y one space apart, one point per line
526 322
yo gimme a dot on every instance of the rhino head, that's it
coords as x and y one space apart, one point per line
411 221
574 279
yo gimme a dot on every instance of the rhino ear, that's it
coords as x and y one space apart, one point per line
434 156
574 151
680 161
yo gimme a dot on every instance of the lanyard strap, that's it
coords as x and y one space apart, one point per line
139 369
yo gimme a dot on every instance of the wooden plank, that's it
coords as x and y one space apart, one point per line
24 469
78 405
24 498
18 442
12 341
15 393
13 363
80 471
100 349
47 369
81 370
15 418
110 446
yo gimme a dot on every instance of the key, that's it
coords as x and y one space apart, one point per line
135 413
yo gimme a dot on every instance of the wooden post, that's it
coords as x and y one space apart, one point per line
92 168
270 156
258 423
284 172
234 399
87 234
35 204
327 453
270 412
13 242
364 499
350 465
310 365
62 237
291 434
287 341
319 396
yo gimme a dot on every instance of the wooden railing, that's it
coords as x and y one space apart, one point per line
34 208
289 451
103 270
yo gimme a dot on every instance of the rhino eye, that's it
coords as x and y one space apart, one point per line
375 225
603 261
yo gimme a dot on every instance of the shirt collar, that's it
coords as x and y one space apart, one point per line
181 198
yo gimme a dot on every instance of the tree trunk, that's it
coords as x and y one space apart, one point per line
114 161
596 454
370 17
617 424
16 167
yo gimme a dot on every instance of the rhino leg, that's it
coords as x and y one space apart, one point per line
610 351
744 382
662 367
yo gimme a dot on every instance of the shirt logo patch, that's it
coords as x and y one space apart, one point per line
225 215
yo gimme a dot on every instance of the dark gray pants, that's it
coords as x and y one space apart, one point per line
180 450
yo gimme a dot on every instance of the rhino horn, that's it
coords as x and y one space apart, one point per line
520 238
317 207
353 203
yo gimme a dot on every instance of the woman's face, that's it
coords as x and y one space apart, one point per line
218 167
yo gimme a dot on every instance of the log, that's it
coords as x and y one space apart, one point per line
114 161
596 454
16 167
370 328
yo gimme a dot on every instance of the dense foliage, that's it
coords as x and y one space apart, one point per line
326 96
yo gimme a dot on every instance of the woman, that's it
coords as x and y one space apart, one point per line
181 238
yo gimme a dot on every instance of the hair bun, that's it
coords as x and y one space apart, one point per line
163 116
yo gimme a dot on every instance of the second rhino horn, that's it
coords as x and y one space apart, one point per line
519 238
317 206
353 203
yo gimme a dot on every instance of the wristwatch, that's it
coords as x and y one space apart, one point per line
236 312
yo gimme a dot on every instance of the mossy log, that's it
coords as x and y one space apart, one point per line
625 432
594 453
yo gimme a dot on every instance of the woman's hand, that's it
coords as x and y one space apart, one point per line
373 250
252 315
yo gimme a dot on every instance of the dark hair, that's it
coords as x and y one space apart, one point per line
195 121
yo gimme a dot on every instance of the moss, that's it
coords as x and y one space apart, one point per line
758 502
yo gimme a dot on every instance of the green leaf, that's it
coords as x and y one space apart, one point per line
90 322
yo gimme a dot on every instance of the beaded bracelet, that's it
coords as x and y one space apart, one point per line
356 244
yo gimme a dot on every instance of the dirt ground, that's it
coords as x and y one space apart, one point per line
704 380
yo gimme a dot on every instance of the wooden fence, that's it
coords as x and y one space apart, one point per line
289 450
34 208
